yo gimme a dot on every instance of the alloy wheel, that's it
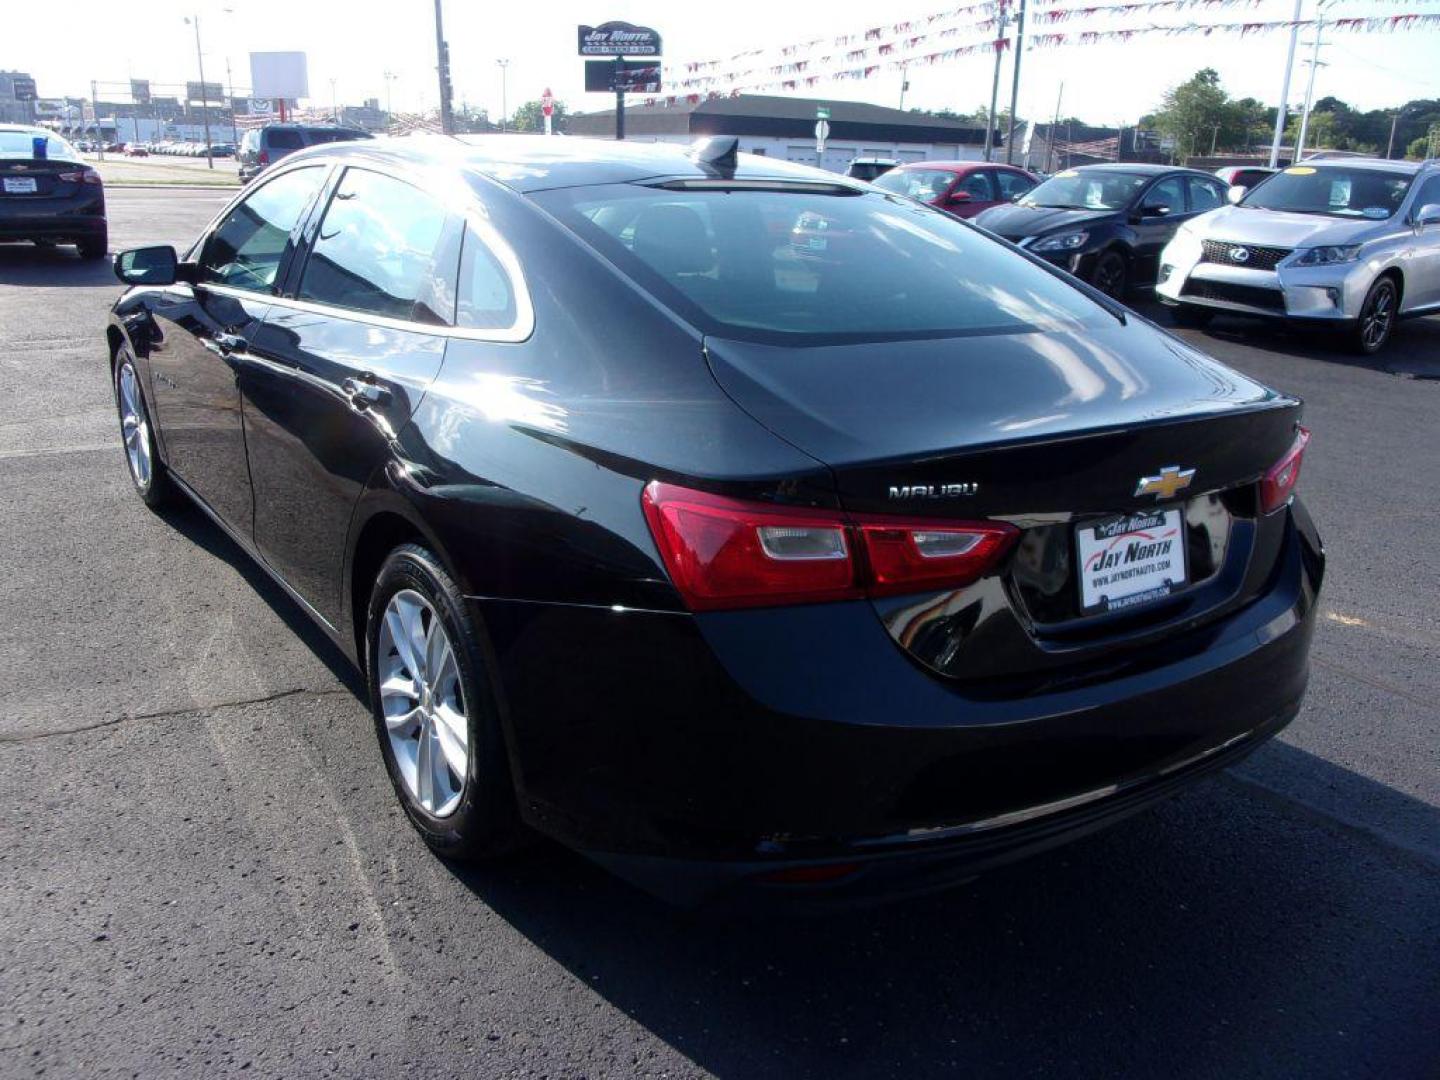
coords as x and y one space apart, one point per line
134 425
1379 314
424 705
1110 276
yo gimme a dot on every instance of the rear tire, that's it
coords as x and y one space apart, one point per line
1377 318
94 247
428 688
1111 274
1191 318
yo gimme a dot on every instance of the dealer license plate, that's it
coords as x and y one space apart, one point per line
1129 560
19 185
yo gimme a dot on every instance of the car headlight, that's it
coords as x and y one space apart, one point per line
1065 241
1325 256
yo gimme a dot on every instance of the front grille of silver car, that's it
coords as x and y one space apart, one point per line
1255 258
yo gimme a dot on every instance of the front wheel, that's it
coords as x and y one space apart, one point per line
1110 274
152 482
434 711
1377 318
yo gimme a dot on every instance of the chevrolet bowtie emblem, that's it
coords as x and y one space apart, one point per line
1164 486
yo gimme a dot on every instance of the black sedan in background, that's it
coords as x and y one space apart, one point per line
850 567
48 194
1107 224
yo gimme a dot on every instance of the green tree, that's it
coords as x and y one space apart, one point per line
528 117
1196 113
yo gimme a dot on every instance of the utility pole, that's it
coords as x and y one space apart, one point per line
504 93
334 109
1285 88
442 51
230 93
995 80
904 83
1214 138
1015 84
94 115
1390 143
194 20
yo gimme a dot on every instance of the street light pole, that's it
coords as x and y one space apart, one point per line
1015 84
1310 83
194 20
334 109
1285 87
504 94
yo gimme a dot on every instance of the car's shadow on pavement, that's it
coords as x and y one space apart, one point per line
190 521
25 265
1189 941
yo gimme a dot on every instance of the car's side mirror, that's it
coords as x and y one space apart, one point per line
960 197
1429 214
1236 193
157 265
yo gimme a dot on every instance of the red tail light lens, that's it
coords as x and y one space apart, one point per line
264 158
1278 483
908 558
80 176
726 553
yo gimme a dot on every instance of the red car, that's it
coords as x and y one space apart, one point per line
962 188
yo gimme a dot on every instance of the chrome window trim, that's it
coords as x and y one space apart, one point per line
473 216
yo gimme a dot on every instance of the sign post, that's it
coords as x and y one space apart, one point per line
619 40
547 107
822 132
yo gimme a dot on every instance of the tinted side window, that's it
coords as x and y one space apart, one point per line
1012 184
283 139
1204 195
1429 193
246 249
487 298
1169 193
1250 177
376 251
977 186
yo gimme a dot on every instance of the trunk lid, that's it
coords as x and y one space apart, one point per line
18 176
1050 431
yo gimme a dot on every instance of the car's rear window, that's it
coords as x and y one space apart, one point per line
21 145
782 265
284 139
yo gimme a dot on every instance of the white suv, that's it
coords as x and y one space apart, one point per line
1351 243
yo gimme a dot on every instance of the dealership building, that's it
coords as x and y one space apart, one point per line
784 127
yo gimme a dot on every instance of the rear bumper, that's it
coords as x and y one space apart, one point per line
695 755
52 218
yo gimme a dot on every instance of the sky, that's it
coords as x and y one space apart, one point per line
355 43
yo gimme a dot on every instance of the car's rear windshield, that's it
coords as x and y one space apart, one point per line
329 135
787 265
922 184
1332 190
1084 189
284 139
21 144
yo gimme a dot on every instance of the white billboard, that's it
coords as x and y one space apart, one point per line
278 75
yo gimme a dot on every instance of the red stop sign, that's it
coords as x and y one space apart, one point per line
547 102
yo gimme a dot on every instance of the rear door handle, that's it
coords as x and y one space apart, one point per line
230 342
365 393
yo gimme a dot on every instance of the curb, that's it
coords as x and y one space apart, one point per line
113 185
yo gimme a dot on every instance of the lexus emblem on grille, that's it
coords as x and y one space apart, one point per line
1240 254
1171 479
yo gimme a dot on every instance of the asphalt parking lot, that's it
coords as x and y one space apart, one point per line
203 869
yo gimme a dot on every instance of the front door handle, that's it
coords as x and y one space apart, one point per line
365 393
230 342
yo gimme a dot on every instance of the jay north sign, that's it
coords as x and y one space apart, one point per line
619 39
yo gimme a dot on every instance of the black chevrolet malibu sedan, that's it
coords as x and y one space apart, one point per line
1107 224
48 195
734 523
